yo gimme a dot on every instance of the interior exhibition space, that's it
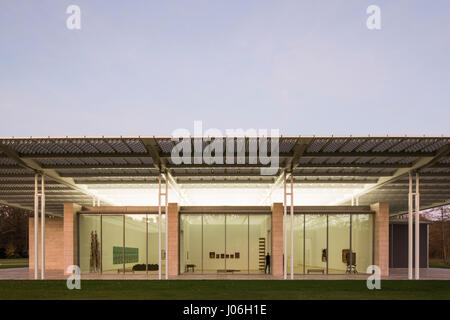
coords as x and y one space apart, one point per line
124 205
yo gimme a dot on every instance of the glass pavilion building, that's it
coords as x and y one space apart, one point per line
121 205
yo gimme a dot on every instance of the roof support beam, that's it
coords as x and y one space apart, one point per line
52 174
149 142
423 162
161 164
299 148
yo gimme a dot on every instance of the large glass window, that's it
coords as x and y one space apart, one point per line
112 244
316 243
338 242
191 244
135 244
153 244
213 243
259 242
163 244
362 241
90 243
331 244
116 243
224 243
236 253
298 243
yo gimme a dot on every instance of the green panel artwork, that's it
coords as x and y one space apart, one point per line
131 255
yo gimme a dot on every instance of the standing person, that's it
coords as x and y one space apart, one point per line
267 263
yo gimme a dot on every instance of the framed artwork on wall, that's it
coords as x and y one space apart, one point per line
237 255
212 255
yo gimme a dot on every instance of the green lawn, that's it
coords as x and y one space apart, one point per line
13 263
224 289
438 263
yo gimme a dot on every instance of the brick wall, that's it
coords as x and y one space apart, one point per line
172 248
54 244
70 235
277 239
381 236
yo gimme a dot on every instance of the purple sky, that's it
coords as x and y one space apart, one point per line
150 67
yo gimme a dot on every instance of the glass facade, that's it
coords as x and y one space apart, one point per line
362 240
338 242
118 243
315 242
298 243
224 243
89 243
330 243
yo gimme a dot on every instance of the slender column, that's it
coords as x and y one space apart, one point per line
42 227
417 233
284 230
36 224
167 227
410 228
159 227
292 226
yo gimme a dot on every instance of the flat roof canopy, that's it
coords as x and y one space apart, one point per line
326 171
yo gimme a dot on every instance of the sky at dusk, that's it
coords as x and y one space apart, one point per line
151 67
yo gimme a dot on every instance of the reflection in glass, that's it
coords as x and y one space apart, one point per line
152 227
316 243
236 243
135 247
112 244
362 240
338 242
298 243
259 241
191 244
90 244
214 241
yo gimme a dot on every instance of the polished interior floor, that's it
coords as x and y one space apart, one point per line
395 274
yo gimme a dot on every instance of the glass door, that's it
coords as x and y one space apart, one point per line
236 253
214 243
316 251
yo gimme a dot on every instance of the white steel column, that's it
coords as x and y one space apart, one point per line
417 233
285 204
36 225
167 226
284 229
42 227
166 213
410 228
159 227
292 226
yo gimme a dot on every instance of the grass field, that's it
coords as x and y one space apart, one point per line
224 289
438 263
13 263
